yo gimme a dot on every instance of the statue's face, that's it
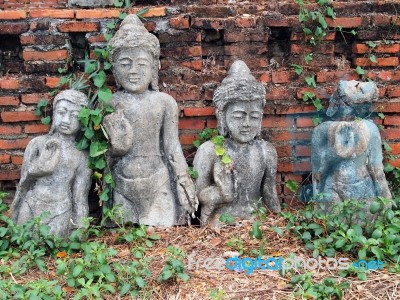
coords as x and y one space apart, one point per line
66 117
133 69
243 120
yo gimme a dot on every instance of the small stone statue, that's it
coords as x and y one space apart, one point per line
346 153
55 177
146 159
239 187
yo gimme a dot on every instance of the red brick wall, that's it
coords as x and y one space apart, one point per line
199 40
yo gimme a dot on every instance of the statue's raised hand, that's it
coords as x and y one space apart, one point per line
120 133
47 159
224 177
187 194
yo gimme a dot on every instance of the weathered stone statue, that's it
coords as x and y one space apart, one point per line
146 159
250 180
55 177
346 153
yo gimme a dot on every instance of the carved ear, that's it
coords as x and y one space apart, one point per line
222 129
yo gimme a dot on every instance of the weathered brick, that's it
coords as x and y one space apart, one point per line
279 93
187 139
196 65
9 174
192 124
324 48
246 35
13 28
39 25
179 36
180 22
363 48
212 11
185 92
245 22
18 116
10 129
265 77
299 36
78 26
43 39
391 133
381 61
322 93
4 158
395 148
295 109
335 76
9 83
14 144
243 49
12 14
152 12
36 128
52 13
391 120
275 121
199 111
33 98
304 122
303 150
52 82
284 151
17 159
96 13
393 91
43 66
345 22
9 100
53 55
283 76
181 52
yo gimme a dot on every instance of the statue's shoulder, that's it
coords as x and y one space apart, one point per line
207 148
265 145
165 98
39 140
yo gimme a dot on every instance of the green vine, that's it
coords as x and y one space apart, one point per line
209 134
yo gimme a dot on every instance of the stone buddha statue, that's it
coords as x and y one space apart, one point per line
250 179
346 153
55 177
146 159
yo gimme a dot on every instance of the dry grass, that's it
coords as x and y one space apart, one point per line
209 242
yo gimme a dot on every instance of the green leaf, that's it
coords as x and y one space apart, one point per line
387 147
322 21
46 120
292 185
141 12
256 231
371 44
219 150
89 133
381 115
97 148
104 195
107 36
124 289
360 71
140 282
307 31
107 66
297 69
226 159
375 207
372 58
353 32
278 230
310 81
122 16
100 164
183 276
196 143
227 218
99 79
308 96
306 236
77 270
317 103
118 3
308 58
362 276
316 120
330 12
362 254
340 243
105 94
378 252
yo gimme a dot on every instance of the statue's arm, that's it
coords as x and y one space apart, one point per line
270 196
375 166
80 191
173 152
319 148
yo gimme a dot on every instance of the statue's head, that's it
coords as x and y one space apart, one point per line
352 99
66 107
239 100
135 55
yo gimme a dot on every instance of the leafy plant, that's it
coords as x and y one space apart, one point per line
174 267
217 140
